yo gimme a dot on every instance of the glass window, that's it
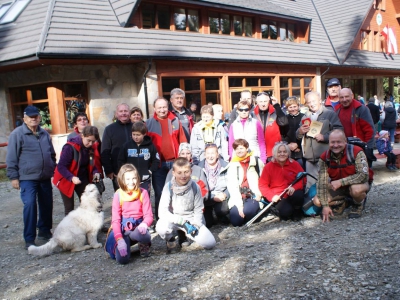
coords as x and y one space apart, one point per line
282 31
213 97
296 92
252 81
180 19
4 8
237 25
39 93
225 24
266 81
168 84
193 20
291 32
296 81
75 90
235 82
273 30
14 11
45 114
213 21
195 97
164 17
264 31
284 82
72 107
18 95
192 84
248 27
308 83
212 84
284 94
148 16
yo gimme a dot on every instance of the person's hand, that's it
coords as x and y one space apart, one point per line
142 228
96 177
326 213
303 129
122 247
241 213
293 146
111 175
319 137
275 198
15 184
336 184
274 100
76 180
219 197
257 197
290 191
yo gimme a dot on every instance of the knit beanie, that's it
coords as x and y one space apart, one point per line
382 133
184 146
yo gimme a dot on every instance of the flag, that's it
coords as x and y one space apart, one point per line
390 37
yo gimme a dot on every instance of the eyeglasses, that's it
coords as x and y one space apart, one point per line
208 145
263 93
243 109
281 143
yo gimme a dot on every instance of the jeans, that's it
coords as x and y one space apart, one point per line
132 238
159 177
43 192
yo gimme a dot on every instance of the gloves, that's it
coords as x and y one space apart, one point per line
190 229
142 228
122 247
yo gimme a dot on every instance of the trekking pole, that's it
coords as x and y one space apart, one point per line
298 177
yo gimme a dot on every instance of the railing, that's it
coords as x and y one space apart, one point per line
3 145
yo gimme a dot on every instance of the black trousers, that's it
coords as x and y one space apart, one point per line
221 210
286 206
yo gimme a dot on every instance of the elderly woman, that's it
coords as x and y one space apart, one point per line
208 131
136 114
215 169
294 117
389 123
247 127
276 177
243 175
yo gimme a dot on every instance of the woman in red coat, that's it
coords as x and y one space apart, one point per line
277 176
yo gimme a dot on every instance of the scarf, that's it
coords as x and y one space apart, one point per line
212 175
180 190
129 196
239 159
208 132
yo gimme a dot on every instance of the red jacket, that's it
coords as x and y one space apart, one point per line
65 186
275 178
271 130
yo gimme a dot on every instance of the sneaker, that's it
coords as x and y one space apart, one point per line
144 250
339 209
172 246
44 236
28 244
356 210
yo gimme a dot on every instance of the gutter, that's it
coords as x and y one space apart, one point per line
146 97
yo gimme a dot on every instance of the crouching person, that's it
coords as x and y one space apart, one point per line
181 210
343 176
131 217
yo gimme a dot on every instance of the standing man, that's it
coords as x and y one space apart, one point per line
313 147
166 133
31 161
333 88
357 121
273 120
114 137
375 112
184 115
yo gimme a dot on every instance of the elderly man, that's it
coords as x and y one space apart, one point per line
30 165
273 120
333 88
343 176
244 95
167 133
184 115
114 137
357 121
314 146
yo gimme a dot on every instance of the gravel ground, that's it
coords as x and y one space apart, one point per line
345 259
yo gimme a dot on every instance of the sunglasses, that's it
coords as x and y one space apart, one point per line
281 143
263 93
243 109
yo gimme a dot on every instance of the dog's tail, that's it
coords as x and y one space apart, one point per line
46 249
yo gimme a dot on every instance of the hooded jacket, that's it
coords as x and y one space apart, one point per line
186 113
390 118
222 181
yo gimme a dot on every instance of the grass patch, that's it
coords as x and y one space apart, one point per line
3 176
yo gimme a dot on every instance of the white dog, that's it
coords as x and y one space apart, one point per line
78 226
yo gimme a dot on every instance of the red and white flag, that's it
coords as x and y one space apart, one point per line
390 37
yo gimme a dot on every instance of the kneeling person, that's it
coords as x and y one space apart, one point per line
341 177
181 209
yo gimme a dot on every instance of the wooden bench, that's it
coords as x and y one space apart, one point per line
395 152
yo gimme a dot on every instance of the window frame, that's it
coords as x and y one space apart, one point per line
18 6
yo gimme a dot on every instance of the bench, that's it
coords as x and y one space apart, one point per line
395 152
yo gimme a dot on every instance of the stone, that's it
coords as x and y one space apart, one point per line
183 289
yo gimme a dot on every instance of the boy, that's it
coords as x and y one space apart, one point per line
140 152
181 210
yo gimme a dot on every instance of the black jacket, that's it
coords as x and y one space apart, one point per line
114 137
294 124
375 112
390 118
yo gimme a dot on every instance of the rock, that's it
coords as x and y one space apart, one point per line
183 289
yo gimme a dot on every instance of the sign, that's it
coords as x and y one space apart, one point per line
379 19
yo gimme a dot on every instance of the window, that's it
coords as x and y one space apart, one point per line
286 32
243 26
57 104
219 23
186 19
371 88
253 84
10 11
356 85
295 86
156 16
380 4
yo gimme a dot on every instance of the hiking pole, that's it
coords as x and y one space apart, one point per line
299 176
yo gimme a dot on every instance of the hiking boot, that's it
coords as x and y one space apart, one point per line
172 246
28 244
182 238
356 210
339 209
44 236
144 250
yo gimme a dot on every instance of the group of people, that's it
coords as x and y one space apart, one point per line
201 172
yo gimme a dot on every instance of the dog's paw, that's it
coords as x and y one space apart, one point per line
98 245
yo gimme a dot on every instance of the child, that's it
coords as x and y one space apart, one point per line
140 152
384 146
131 217
181 209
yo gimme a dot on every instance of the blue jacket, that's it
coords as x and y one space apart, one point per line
383 146
30 157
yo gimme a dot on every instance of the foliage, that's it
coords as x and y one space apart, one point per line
396 87
3 176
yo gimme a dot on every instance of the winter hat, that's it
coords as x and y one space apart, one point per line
382 133
184 146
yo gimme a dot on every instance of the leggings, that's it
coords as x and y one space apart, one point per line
132 236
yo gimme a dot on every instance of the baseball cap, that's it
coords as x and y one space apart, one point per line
31 111
333 81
